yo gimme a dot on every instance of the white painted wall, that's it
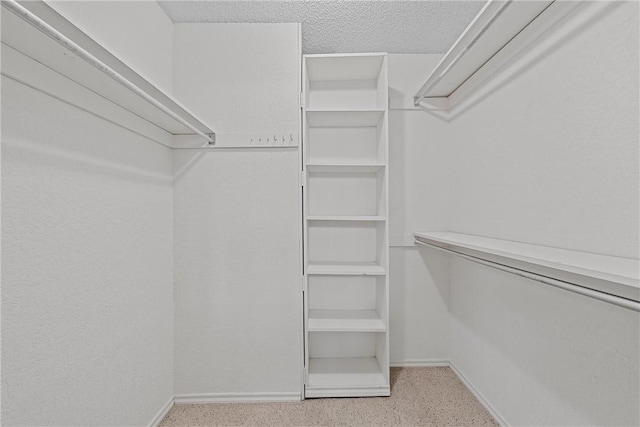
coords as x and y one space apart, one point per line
137 32
540 355
418 193
551 158
87 295
237 215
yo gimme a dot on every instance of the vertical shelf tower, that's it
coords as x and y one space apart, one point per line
345 121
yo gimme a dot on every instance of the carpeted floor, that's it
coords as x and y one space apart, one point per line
419 397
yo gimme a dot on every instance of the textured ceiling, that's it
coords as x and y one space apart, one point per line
331 26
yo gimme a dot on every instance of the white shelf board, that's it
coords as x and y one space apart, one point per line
345 372
346 269
498 33
345 321
346 167
362 218
344 118
63 57
344 66
613 275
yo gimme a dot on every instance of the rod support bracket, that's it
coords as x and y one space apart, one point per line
212 138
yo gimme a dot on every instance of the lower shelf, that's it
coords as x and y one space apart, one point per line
346 377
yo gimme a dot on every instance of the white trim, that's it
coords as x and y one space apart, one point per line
349 391
238 397
420 363
162 412
478 396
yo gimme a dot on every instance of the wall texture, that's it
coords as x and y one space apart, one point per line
87 295
551 158
147 47
543 356
418 196
237 216
87 303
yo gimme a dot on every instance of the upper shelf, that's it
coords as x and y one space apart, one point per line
345 321
612 275
37 31
501 30
352 66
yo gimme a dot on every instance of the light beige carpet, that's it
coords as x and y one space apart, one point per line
419 397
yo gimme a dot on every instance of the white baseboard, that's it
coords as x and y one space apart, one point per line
419 363
296 397
238 397
162 412
479 396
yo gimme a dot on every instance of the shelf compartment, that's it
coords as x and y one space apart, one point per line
345 372
346 241
346 269
340 67
346 193
345 344
346 218
348 293
345 292
345 321
347 364
339 118
348 80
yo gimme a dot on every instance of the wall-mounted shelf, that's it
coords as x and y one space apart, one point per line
607 275
49 53
497 34
346 377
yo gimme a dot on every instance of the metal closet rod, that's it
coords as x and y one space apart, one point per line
601 296
69 44
426 87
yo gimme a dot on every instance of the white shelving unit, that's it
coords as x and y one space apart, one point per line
345 147
45 51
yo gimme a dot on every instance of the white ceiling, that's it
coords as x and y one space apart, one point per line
332 26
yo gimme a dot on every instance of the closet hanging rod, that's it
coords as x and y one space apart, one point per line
601 296
432 81
52 32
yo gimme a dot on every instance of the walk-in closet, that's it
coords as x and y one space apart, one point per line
335 213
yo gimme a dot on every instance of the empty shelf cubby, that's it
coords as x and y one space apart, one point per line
347 194
346 137
345 81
